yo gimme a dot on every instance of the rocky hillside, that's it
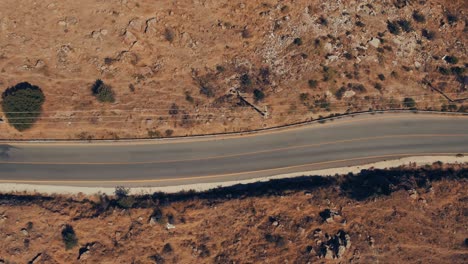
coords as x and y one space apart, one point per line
405 215
204 66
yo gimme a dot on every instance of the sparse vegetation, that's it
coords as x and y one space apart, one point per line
154 134
188 97
313 83
418 17
304 97
258 95
169 34
443 70
206 90
393 28
121 191
124 200
246 33
22 105
360 24
451 59
69 237
245 80
428 34
340 92
452 18
103 92
409 102
169 132
328 73
378 86
297 41
405 25
174 110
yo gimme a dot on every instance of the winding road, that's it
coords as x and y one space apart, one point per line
342 142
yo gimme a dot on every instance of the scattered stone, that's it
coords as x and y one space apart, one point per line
24 232
371 241
374 42
275 223
170 226
317 232
328 215
83 251
413 194
153 220
335 246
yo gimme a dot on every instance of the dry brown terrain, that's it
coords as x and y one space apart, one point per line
406 215
309 58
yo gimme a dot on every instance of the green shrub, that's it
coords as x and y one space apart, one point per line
174 110
169 34
246 33
22 105
409 102
297 41
459 71
188 97
452 18
360 24
451 59
405 25
393 28
245 80
339 94
69 237
444 71
323 21
121 191
220 68
206 90
378 86
258 95
103 92
430 35
126 202
313 83
154 134
169 132
418 17
304 97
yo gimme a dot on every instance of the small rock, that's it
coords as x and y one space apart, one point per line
24 231
153 220
169 226
328 253
341 251
374 42
275 223
371 241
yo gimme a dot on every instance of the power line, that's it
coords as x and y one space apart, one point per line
207 107
140 115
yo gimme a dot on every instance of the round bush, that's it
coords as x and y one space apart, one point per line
22 105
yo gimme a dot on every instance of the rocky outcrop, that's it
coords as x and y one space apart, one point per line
334 247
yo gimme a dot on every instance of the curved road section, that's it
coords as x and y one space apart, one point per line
342 142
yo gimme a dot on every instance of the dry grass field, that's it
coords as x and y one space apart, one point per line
406 215
179 67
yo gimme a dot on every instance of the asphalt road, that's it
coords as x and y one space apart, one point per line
347 141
